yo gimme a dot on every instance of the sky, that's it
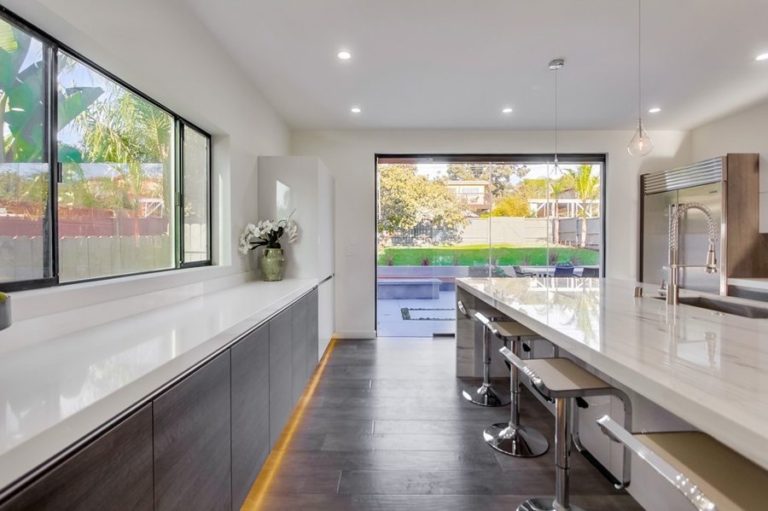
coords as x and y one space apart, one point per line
542 171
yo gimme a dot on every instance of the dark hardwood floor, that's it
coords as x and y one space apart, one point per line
387 430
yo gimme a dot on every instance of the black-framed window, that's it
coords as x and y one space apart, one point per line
96 179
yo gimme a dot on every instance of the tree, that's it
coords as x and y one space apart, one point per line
408 200
535 188
512 205
587 188
557 187
22 117
127 132
21 100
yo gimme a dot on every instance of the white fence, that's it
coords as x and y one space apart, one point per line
529 231
570 231
519 231
21 258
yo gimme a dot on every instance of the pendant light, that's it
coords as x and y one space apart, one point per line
554 65
640 144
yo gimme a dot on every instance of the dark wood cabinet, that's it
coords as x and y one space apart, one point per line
112 472
250 411
201 444
192 441
314 334
280 373
299 347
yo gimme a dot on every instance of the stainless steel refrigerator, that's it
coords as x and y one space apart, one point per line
701 183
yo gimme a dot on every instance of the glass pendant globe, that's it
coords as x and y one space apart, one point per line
641 144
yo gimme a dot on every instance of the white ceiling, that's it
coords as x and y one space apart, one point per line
455 64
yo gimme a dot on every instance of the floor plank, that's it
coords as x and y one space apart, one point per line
386 429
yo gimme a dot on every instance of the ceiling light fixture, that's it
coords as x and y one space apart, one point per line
640 144
654 110
355 110
762 57
506 110
344 55
554 65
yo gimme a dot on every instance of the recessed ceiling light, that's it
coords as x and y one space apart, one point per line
506 110
344 55
355 110
654 110
762 57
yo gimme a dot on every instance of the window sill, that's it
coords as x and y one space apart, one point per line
155 289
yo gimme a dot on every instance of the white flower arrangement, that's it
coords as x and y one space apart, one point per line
267 233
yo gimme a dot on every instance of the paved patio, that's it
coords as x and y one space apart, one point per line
423 317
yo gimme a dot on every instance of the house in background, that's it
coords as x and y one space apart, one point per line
476 194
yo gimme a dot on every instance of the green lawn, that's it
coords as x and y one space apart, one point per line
473 255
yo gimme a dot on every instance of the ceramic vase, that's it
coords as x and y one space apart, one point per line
273 264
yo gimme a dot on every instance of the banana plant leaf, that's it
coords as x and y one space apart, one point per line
8 41
13 51
22 94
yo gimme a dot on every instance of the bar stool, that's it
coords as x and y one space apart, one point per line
561 381
710 475
511 437
486 394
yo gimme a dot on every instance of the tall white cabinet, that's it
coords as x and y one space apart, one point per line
303 186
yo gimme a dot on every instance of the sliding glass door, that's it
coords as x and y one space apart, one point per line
442 218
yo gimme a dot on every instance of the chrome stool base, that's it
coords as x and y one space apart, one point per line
544 504
485 395
520 442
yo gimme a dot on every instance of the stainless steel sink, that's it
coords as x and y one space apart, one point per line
737 309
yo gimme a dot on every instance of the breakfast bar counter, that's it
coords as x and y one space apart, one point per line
707 368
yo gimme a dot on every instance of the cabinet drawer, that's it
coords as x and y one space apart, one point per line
250 411
192 441
113 472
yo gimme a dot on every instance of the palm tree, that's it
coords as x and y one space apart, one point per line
556 189
587 188
128 132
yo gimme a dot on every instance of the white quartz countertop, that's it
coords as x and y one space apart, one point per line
56 391
708 368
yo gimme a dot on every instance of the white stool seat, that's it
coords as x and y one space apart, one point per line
561 377
729 480
507 329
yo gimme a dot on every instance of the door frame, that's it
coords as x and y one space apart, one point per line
601 158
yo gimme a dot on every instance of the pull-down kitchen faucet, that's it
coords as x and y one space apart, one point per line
676 213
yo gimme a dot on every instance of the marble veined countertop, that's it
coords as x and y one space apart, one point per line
710 369
55 392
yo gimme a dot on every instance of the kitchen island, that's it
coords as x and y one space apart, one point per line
707 368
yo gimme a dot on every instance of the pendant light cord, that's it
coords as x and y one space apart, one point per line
639 63
557 71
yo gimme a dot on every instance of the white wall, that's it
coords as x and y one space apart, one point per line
350 156
163 50
745 131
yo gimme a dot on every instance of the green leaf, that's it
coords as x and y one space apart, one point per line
69 154
8 41
11 61
74 101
